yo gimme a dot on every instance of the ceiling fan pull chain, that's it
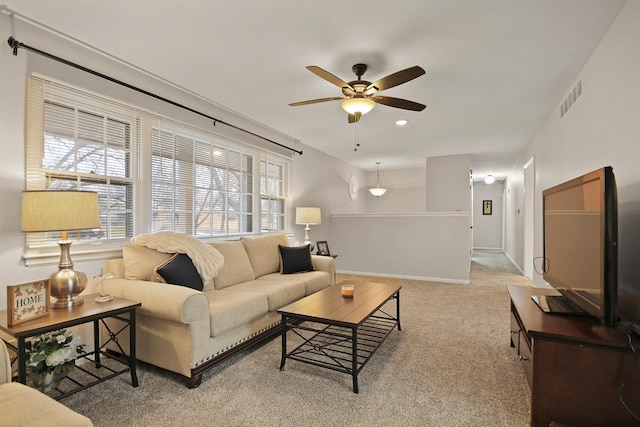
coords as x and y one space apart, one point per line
357 137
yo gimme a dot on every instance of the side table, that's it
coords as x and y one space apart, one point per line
90 311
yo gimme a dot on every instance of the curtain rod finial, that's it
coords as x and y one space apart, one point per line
14 44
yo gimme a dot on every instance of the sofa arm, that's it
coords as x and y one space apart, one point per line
161 300
325 263
5 364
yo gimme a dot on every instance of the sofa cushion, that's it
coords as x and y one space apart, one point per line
237 267
228 310
295 259
179 270
140 262
278 293
314 281
263 252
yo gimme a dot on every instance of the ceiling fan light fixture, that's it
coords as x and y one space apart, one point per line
358 105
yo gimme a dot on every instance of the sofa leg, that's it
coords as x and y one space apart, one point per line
194 381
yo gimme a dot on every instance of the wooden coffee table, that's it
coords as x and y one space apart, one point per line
340 333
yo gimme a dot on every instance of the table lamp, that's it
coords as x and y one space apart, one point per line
308 216
62 210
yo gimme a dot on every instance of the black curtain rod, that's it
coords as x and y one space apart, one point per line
15 45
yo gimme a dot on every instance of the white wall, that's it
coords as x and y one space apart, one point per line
487 229
406 191
448 186
321 180
420 246
601 129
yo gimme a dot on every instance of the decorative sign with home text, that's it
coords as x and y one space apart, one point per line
27 301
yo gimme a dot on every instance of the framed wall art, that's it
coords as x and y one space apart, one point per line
27 301
487 207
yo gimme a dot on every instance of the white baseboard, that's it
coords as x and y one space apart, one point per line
514 263
396 276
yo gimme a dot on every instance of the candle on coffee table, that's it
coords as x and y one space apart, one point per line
347 291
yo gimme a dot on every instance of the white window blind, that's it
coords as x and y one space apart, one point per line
79 141
200 186
273 193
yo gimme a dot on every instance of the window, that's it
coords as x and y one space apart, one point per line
91 151
272 195
151 173
77 142
200 187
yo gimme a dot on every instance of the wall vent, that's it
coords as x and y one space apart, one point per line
571 98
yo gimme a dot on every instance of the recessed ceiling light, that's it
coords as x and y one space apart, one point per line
402 122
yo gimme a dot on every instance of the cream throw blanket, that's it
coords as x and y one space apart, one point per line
205 258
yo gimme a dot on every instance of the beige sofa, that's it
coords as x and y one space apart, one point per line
189 331
21 405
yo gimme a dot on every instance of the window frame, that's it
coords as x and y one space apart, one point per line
141 173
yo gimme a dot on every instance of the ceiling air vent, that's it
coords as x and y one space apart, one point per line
571 98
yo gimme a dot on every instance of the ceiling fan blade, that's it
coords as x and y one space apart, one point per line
315 101
354 117
329 77
394 79
398 103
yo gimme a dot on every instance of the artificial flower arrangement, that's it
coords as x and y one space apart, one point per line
52 353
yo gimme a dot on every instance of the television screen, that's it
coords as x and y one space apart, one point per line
580 242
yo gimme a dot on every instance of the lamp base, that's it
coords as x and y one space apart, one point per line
66 284
67 302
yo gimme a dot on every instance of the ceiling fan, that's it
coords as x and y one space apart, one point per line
359 95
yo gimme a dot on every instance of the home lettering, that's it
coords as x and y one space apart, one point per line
30 300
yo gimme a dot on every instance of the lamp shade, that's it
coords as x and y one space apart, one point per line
377 191
357 105
59 210
306 215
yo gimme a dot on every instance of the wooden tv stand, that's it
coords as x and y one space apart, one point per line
574 365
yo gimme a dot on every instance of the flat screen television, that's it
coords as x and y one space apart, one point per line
580 244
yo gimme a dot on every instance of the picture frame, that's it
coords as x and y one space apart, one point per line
487 207
28 301
323 248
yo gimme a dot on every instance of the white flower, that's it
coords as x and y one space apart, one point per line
56 358
68 353
50 351
61 338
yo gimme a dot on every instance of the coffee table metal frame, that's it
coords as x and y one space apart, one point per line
335 343
85 313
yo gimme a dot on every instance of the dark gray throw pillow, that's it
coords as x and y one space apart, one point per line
179 270
295 259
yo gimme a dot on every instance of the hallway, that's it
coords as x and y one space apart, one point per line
490 266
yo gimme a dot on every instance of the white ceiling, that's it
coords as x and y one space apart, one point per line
495 69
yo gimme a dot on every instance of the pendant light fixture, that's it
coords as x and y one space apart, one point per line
377 190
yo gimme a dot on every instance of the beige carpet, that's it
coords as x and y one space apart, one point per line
451 365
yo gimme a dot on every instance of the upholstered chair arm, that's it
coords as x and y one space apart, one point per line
5 364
